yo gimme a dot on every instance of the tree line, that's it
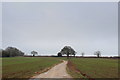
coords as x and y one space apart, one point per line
97 53
68 50
11 52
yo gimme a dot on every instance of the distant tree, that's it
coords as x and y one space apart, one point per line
11 52
4 53
68 51
74 53
34 53
59 54
82 54
98 53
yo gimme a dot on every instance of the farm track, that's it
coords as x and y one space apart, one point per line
58 71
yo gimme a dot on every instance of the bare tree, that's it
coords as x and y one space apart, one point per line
82 54
98 53
34 53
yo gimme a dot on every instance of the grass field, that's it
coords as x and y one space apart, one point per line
93 68
25 67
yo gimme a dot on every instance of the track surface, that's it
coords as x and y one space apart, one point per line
58 71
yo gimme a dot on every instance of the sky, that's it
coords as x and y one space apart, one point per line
47 27
0 25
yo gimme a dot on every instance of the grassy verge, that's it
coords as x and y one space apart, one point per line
93 68
25 67
74 74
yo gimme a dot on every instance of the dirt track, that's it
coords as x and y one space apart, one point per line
58 71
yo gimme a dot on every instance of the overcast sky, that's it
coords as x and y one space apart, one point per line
48 27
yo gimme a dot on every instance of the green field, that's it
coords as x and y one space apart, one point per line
25 67
93 68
